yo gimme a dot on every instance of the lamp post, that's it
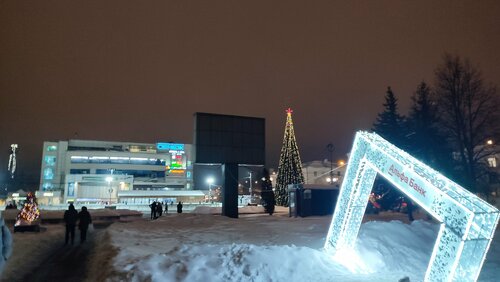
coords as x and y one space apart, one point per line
330 149
109 179
250 188
210 182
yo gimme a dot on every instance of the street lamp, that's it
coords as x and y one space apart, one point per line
331 180
109 179
210 182
330 149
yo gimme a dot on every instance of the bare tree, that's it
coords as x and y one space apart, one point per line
468 115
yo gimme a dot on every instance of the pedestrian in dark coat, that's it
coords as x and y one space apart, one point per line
166 208
153 210
159 209
83 225
70 218
409 207
179 207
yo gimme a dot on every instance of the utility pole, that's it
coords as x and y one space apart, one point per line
250 189
331 149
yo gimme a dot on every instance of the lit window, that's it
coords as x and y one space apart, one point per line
50 160
47 186
48 173
51 148
71 189
492 162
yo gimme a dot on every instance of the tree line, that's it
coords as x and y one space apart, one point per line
451 125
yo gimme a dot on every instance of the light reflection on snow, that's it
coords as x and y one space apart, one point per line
350 259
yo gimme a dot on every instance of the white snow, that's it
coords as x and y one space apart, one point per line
200 246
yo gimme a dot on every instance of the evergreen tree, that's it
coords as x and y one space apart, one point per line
390 124
425 140
267 193
422 123
290 166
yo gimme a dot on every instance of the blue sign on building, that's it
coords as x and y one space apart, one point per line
169 147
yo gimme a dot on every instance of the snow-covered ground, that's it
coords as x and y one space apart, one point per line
200 246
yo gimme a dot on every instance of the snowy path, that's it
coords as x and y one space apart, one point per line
67 263
43 256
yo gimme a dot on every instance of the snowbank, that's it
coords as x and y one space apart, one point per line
259 247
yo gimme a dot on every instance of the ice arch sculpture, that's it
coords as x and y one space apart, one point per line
467 222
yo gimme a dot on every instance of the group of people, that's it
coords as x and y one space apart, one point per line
157 209
71 217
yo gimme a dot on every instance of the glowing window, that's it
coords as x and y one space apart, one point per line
467 222
50 160
71 189
47 186
492 162
48 173
51 148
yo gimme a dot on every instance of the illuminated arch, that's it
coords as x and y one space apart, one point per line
467 222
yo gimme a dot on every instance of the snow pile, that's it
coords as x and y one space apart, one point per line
395 247
258 247
235 262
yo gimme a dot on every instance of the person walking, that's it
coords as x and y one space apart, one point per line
153 210
159 209
5 244
409 207
83 225
166 208
179 207
70 218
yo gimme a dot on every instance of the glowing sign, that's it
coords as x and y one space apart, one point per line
169 147
467 222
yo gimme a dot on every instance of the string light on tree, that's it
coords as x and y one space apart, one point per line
29 212
290 166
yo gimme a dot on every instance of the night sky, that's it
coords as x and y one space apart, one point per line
138 70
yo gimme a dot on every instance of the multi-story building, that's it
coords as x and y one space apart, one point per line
87 171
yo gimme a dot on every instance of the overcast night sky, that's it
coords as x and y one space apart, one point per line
138 70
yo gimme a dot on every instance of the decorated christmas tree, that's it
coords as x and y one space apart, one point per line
29 213
290 166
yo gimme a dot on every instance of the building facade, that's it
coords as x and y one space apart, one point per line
323 172
87 171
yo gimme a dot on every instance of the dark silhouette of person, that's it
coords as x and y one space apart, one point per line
153 210
83 225
271 204
409 207
166 208
70 218
159 209
179 207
